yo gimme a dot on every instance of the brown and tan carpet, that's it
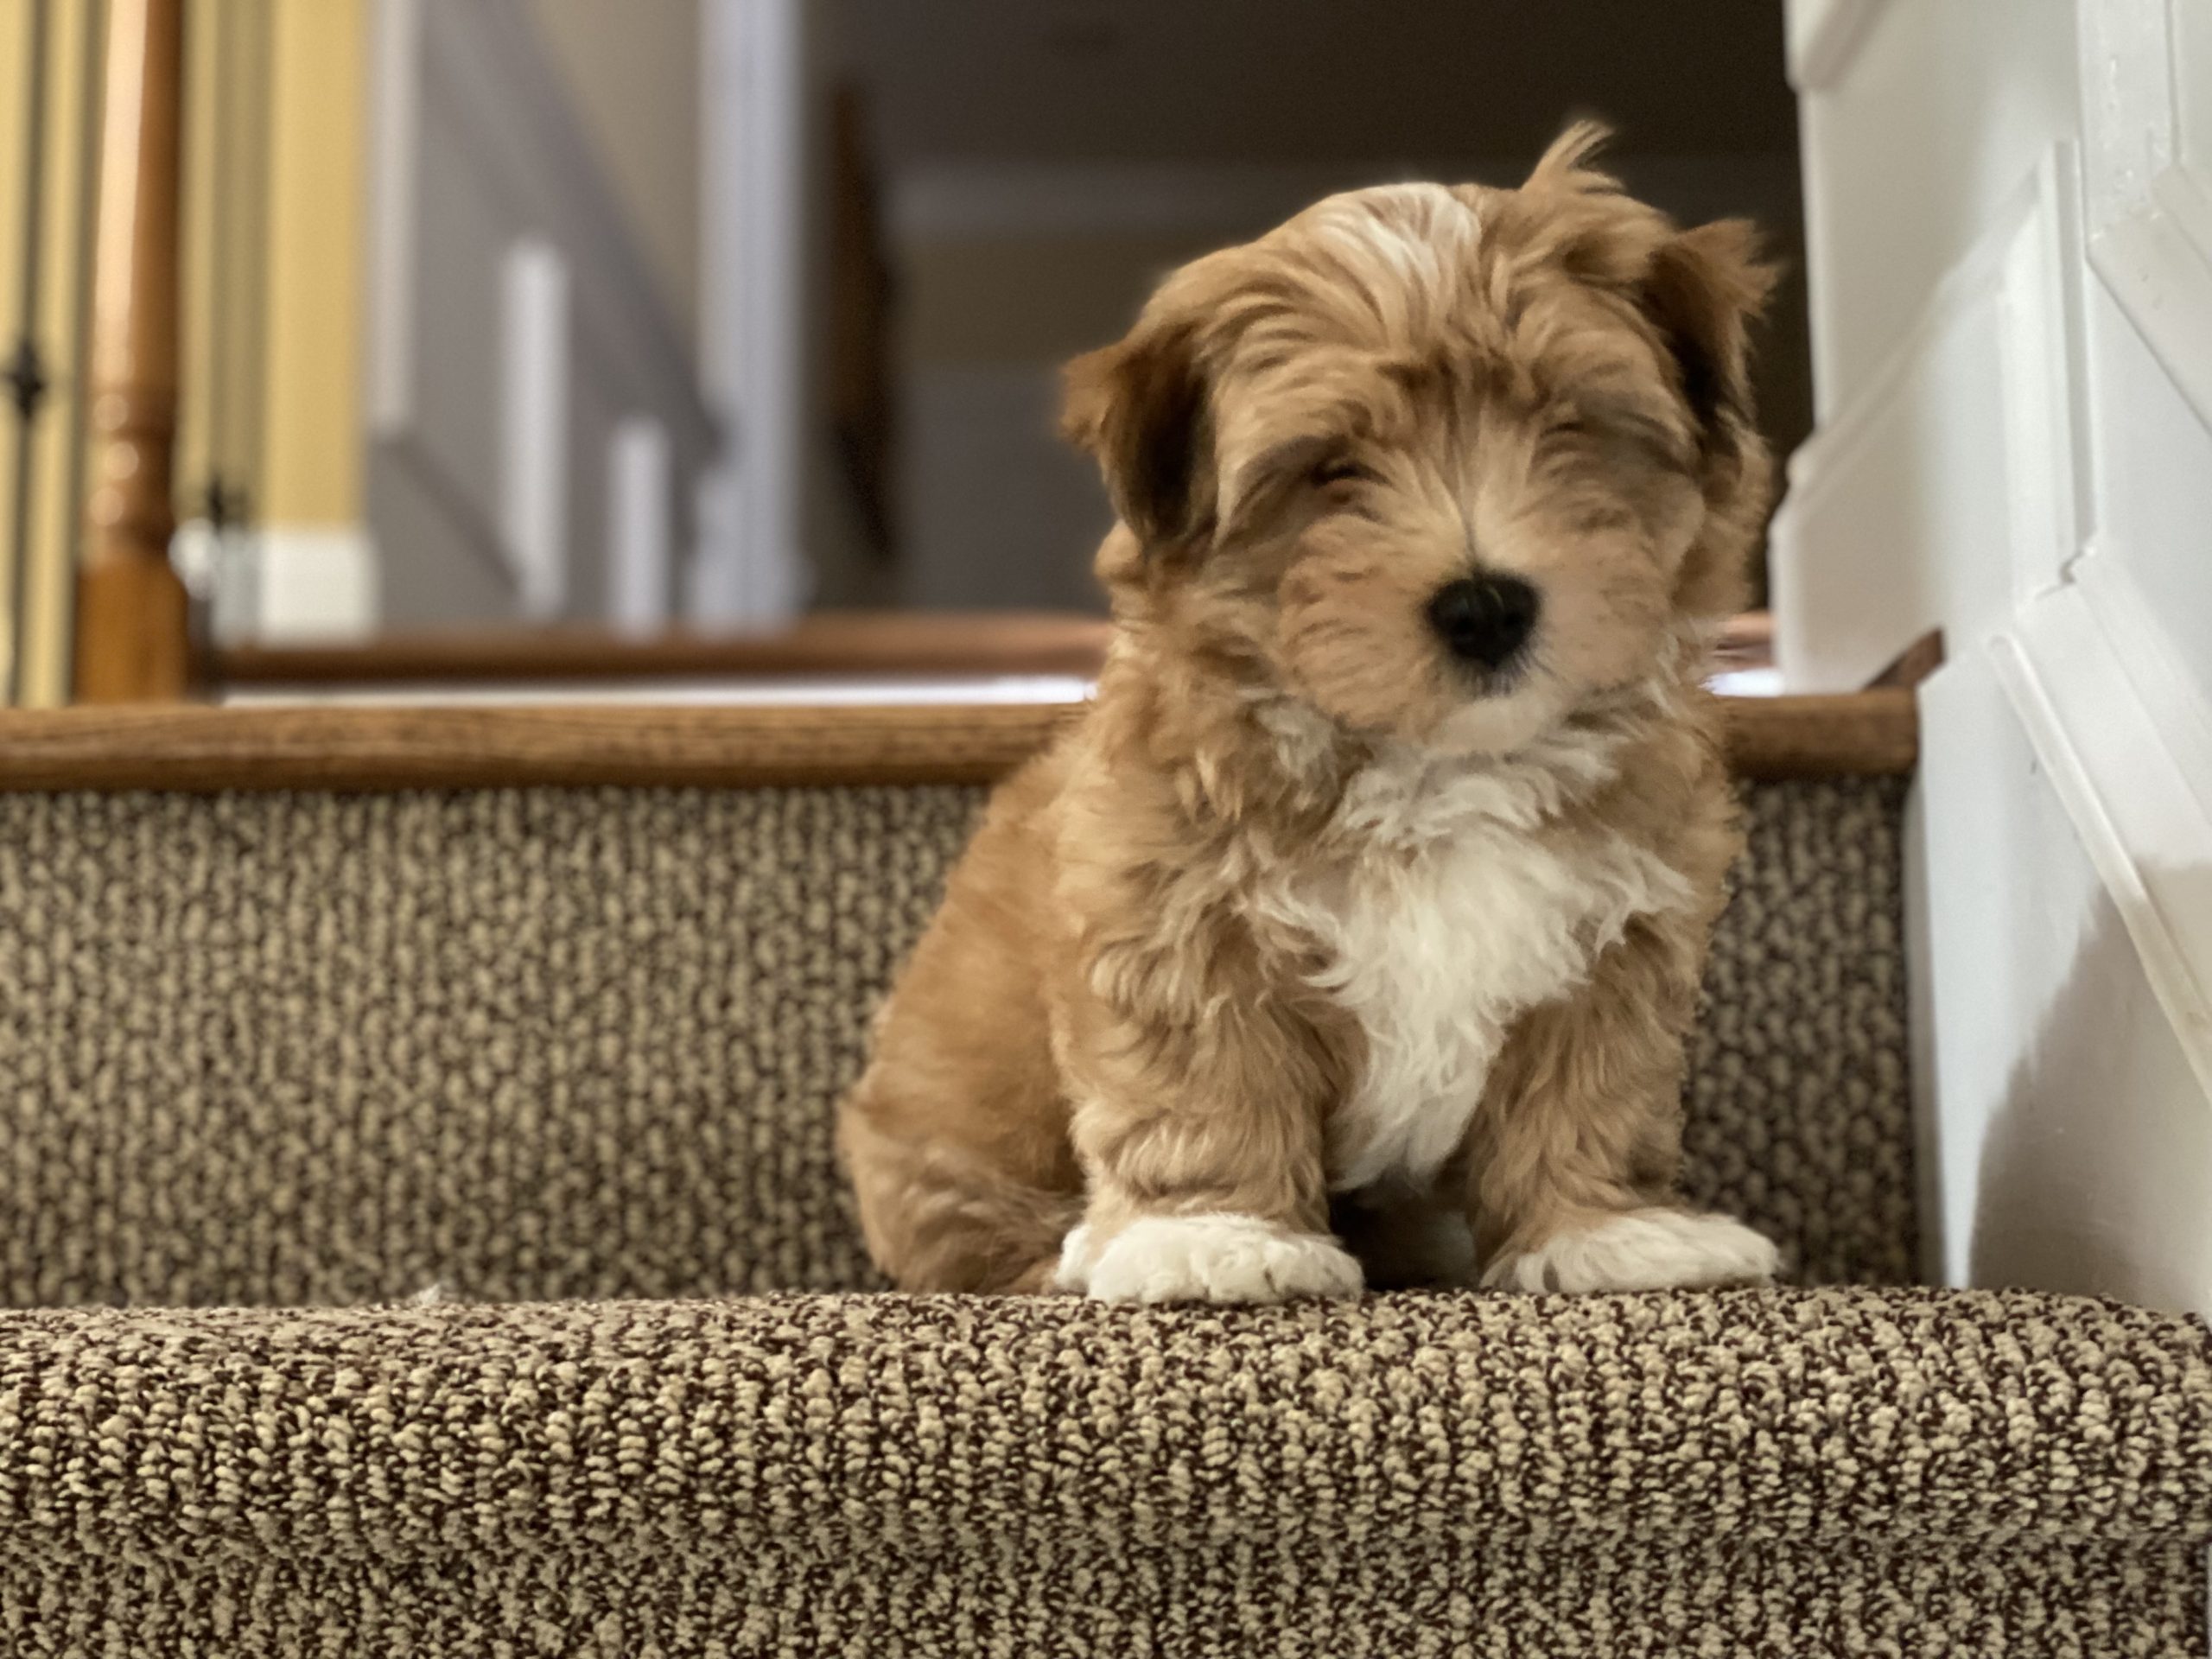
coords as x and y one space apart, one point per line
570 1055
322 1049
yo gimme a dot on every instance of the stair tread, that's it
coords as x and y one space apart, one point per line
1957 1418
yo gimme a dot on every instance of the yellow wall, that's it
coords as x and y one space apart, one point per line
633 67
55 492
276 178
274 185
313 462
224 233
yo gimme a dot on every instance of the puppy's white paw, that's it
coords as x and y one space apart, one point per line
1218 1258
1642 1249
1074 1271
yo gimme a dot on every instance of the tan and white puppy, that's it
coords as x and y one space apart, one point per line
1379 879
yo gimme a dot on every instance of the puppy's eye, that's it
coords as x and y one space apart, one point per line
1339 469
1619 437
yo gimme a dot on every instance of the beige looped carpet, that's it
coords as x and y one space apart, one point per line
570 1056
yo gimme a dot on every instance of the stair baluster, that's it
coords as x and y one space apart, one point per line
133 629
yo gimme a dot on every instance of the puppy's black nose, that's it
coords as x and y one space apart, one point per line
1484 618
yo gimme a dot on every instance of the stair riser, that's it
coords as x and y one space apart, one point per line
291 1048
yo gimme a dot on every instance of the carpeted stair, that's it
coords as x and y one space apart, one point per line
422 1210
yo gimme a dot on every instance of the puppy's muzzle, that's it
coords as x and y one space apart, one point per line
1484 620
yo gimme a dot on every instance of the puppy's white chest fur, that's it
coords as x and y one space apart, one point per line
1461 905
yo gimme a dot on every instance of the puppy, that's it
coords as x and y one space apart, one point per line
1381 874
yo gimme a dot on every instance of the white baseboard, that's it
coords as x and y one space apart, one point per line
314 584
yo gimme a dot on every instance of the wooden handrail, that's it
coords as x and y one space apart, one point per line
198 748
133 627
832 645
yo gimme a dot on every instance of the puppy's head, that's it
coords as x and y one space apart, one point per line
1446 464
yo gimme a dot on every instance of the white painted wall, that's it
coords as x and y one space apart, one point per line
520 338
633 71
2010 245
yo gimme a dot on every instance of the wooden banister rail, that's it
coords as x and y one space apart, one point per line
196 748
830 644
133 626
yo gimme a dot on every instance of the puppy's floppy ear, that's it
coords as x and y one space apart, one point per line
1140 407
1704 288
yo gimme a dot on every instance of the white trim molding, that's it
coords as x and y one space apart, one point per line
639 533
534 460
2118 732
314 586
2147 85
1864 553
2045 379
283 584
2030 470
395 148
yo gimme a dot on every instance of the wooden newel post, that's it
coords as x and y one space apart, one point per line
133 625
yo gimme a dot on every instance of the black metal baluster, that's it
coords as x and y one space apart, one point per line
91 102
25 375
215 494
239 163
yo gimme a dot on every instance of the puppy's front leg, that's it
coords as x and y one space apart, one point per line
1198 1123
1573 1155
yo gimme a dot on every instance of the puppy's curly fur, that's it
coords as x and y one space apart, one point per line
1339 913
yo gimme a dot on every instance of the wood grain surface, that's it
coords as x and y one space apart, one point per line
185 747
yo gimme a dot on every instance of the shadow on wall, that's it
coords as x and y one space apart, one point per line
2096 1170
